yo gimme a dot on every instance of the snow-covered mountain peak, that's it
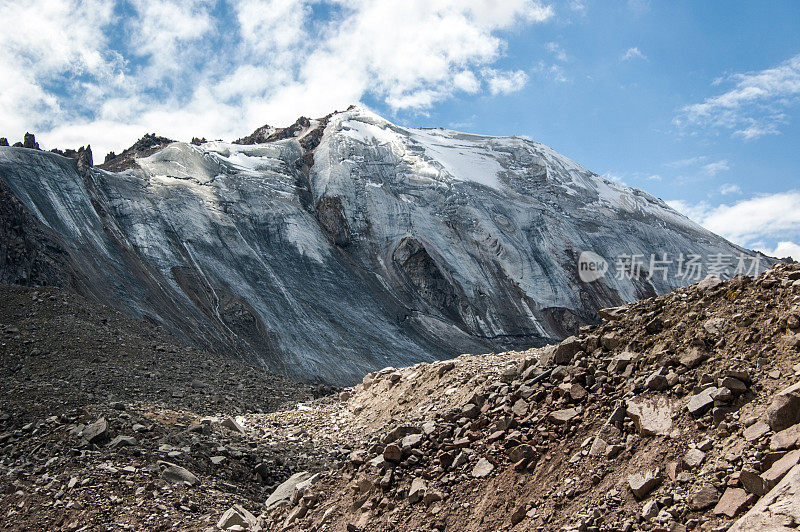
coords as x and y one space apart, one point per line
340 245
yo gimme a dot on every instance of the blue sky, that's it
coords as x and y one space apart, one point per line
695 102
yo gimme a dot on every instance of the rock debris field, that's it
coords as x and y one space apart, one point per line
680 412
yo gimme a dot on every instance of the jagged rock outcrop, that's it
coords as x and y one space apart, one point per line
3 141
84 160
340 245
30 142
145 146
267 133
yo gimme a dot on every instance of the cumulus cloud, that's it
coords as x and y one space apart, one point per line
219 69
754 107
632 53
782 250
749 222
505 82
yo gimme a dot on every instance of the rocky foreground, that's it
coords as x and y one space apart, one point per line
680 412
110 423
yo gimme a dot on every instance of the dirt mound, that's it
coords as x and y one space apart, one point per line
668 416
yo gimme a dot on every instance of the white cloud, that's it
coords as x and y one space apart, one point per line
632 53
73 69
654 177
553 72
729 188
695 211
270 26
163 26
467 82
751 221
501 82
557 51
45 42
615 177
754 107
714 168
782 250
691 161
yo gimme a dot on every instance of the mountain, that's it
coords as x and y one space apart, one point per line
340 245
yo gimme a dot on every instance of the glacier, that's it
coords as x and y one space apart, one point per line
340 245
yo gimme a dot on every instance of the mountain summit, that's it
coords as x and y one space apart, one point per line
341 245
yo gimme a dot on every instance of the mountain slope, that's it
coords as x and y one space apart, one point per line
340 245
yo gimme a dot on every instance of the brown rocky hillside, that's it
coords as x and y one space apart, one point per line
677 413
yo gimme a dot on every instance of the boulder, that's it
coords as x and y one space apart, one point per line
521 452
470 411
642 484
417 490
709 283
393 453
610 341
482 469
734 385
775 473
232 424
431 497
175 474
612 313
96 432
560 417
301 487
656 382
621 362
755 431
520 408
733 501
693 458
785 439
775 509
704 497
784 411
651 415
714 326
752 482
236 515
411 441
650 509
702 402
123 441
283 493
566 350
693 357
399 432
577 392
